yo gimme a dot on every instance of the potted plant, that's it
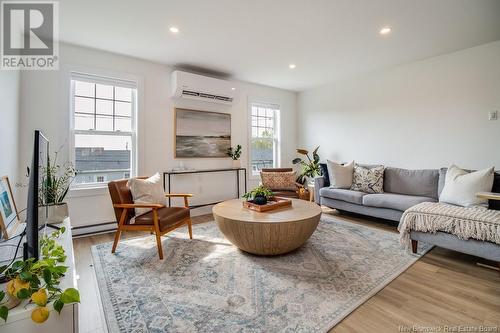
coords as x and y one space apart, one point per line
56 180
259 195
235 154
310 168
37 282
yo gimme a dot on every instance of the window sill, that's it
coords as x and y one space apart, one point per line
89 191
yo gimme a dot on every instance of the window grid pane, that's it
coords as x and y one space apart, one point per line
102 157
263 138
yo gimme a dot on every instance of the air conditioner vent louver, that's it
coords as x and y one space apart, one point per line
207 96
202 88
190 93
223 98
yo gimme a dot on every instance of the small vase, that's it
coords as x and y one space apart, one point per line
11 301
236 164
57 213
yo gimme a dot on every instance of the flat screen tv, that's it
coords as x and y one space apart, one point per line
36 215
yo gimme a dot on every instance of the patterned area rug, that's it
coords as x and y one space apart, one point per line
208 285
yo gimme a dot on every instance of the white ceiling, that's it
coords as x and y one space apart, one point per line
255 40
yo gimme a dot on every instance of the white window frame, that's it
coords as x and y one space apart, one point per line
91 78
276 130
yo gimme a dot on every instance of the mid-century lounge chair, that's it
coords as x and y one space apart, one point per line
160 220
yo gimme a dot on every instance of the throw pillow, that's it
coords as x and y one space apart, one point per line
148 191
460 186
340 175
279 181
368 180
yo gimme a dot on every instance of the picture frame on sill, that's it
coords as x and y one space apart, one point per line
9 216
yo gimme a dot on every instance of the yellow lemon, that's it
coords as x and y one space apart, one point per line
40 314
20 284
15 285
11 290
39 297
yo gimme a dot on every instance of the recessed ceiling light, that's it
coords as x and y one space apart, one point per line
174 30
292 66
233 88
385 30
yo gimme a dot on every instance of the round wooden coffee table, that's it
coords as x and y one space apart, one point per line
269 233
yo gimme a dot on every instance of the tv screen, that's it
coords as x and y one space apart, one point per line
36 216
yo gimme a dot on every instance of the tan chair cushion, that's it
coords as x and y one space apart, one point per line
147 191
168 217
283 181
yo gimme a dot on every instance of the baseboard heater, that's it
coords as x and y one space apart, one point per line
92 229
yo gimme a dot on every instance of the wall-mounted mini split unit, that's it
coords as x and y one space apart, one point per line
202 88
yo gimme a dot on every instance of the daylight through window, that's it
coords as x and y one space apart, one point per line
104 128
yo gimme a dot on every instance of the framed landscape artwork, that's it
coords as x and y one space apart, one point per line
201 133
8 209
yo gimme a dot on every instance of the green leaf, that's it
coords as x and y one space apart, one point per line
70 295
3 268
315 151
47 276
2 295
4 312
23 294
26 276
17 265
297 160
58 305
59 269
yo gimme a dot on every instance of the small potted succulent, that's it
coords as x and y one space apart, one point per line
235 154
56 180
259 195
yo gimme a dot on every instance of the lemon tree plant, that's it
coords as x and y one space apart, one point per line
38 281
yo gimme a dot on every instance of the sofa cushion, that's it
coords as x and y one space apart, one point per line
494 204
368 180
340 174
461 186
324 172
355 197
412 182
394 201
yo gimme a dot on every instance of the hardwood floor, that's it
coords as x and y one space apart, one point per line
444 288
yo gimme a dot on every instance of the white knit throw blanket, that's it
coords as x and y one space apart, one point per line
478 223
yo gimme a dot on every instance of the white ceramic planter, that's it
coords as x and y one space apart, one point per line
55 213
236 163
10 301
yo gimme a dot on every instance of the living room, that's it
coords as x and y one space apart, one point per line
329 166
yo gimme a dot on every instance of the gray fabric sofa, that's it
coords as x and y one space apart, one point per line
402 189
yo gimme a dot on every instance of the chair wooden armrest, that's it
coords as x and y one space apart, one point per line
139 205
178 195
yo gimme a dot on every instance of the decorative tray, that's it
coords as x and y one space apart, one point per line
273 203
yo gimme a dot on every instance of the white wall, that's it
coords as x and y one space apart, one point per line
9 127
45 106
426 114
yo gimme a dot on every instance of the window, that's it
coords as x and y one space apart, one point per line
103 128
264 141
